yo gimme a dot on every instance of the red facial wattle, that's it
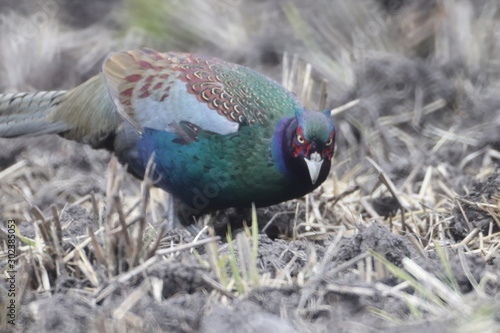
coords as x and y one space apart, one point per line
300 144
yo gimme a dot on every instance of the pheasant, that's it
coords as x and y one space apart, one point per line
221 135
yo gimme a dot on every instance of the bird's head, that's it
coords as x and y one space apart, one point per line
313 141
306 144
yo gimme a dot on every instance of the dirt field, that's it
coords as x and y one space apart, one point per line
404 236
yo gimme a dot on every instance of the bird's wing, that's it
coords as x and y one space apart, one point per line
162 90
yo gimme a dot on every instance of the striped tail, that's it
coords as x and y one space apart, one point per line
27 114
85 114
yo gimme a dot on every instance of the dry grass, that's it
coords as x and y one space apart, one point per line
123 245
125 242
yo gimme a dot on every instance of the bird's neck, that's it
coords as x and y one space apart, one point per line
281 147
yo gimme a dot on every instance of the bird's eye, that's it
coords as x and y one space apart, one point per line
300 139
329 142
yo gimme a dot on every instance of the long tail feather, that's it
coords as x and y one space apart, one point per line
26 114
85 114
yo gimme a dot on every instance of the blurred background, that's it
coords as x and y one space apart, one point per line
423 76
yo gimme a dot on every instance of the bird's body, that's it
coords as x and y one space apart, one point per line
222 135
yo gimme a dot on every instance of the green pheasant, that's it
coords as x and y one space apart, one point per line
221 135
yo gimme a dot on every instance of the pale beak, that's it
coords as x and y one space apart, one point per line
314 163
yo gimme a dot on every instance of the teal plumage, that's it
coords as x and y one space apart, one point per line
222 135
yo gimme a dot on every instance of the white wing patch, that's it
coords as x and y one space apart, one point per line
180 106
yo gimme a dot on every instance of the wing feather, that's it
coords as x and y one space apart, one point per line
157 90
